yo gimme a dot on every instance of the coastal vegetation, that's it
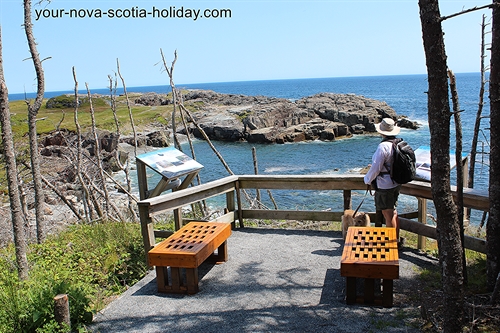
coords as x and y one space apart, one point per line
91 263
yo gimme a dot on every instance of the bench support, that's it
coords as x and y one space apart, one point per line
178 257
369 296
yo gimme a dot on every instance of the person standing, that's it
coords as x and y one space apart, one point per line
379 174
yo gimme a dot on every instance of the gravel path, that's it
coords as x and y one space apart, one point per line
274 281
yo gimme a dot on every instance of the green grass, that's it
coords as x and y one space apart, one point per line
50 118
90 263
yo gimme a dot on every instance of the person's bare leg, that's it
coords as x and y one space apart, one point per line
391 220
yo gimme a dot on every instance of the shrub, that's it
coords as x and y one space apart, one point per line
89 263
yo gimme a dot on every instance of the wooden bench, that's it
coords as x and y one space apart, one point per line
187 249
370 253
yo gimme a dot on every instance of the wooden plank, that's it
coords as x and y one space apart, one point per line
303 182
181 198
230 180
163 233
473 198
471 243
226 218
302 215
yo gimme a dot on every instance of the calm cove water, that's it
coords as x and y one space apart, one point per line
404 93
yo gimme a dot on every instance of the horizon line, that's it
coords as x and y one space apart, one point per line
222 82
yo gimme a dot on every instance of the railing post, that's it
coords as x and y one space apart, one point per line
422 218
379 218
147 230
177 218
347 199
238 198
230 205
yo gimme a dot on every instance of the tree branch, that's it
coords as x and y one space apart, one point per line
465 11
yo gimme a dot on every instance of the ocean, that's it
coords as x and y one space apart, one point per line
406 94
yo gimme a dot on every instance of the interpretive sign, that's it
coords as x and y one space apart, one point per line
170 162
423 163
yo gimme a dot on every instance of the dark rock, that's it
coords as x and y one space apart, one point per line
406 123
109 141
153 99
157 139
55 139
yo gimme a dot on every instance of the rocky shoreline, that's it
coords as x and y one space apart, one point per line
259 119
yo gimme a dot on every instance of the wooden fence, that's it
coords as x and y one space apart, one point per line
233 187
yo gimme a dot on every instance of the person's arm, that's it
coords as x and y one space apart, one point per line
376 167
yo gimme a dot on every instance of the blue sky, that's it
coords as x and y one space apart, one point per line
261 40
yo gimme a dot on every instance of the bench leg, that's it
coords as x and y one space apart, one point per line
387 297
192 280
162 278
369 292
350 290
221 254
175 275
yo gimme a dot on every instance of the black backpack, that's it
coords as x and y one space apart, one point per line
403 163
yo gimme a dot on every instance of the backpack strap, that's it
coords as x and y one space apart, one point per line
394 141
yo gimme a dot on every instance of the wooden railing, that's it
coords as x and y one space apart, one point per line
233 187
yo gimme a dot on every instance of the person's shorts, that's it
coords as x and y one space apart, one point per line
387 198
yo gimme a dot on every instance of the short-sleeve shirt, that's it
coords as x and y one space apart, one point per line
380 168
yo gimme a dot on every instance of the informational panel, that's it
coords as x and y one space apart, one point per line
170 162
423 164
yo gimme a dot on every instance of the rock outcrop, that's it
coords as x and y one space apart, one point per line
260 119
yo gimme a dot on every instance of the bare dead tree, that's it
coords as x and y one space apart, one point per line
256 169
448 230
33 109
131 117
113 84
126 167
97 152
493 224
12 180
85 190
62 197
477 125
459 167
170 72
